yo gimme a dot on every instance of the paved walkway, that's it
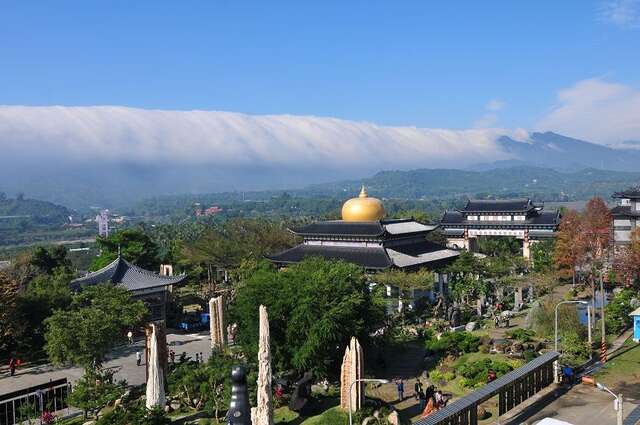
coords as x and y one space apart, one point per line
123 359
581 405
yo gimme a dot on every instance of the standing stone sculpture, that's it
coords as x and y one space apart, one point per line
352 370
216 323
155 380
264 407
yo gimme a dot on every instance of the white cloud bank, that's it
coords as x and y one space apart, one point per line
596 110
209 137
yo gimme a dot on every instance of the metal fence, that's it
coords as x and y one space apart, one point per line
21 406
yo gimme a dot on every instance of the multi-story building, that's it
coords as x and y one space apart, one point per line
626 215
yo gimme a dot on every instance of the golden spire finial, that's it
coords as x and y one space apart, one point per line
363 208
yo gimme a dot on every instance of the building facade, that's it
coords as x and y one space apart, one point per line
518 218
626 216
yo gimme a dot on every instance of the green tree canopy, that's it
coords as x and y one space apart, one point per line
420 279
135 246
44 294
314 307
93 324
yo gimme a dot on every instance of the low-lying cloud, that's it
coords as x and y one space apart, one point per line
596 110
121 134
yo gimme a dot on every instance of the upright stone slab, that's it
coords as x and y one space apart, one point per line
517 300
163 353
216 323
352 370
155 396
479 305
264 407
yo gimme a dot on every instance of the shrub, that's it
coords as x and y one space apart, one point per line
522 335
617 311
475 374
454 343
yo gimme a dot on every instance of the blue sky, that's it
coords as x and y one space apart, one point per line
428 64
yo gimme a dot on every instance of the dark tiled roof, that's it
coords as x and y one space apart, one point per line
423 253
545 217
370 258
488 391
342 228
631 193
361 228
503 205
452 217
624 211
123 273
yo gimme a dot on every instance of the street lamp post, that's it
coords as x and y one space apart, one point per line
380 381
556 365
617 405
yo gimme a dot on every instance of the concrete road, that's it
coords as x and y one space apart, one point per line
581 405
123 359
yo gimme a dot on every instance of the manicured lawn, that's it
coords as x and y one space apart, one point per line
622 372
333 416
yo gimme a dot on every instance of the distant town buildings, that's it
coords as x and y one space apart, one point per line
519 218
103 223
626 215
212 210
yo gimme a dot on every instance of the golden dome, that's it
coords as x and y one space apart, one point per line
362 208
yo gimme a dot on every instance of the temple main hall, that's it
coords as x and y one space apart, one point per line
364 237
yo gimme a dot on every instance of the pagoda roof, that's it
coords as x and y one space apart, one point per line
377 258
122 273
498 205
363 228
631 193
369 257
624 211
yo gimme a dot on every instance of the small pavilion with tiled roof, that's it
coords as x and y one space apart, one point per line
150 287
626 215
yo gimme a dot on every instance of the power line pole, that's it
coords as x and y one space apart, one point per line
603 348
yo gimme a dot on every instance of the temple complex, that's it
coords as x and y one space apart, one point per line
365 238
518 218
152 288
626 215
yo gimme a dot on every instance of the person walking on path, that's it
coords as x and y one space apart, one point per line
417 388
400 388
12 366
130 337
138 358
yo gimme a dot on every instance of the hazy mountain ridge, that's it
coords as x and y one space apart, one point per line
553 150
